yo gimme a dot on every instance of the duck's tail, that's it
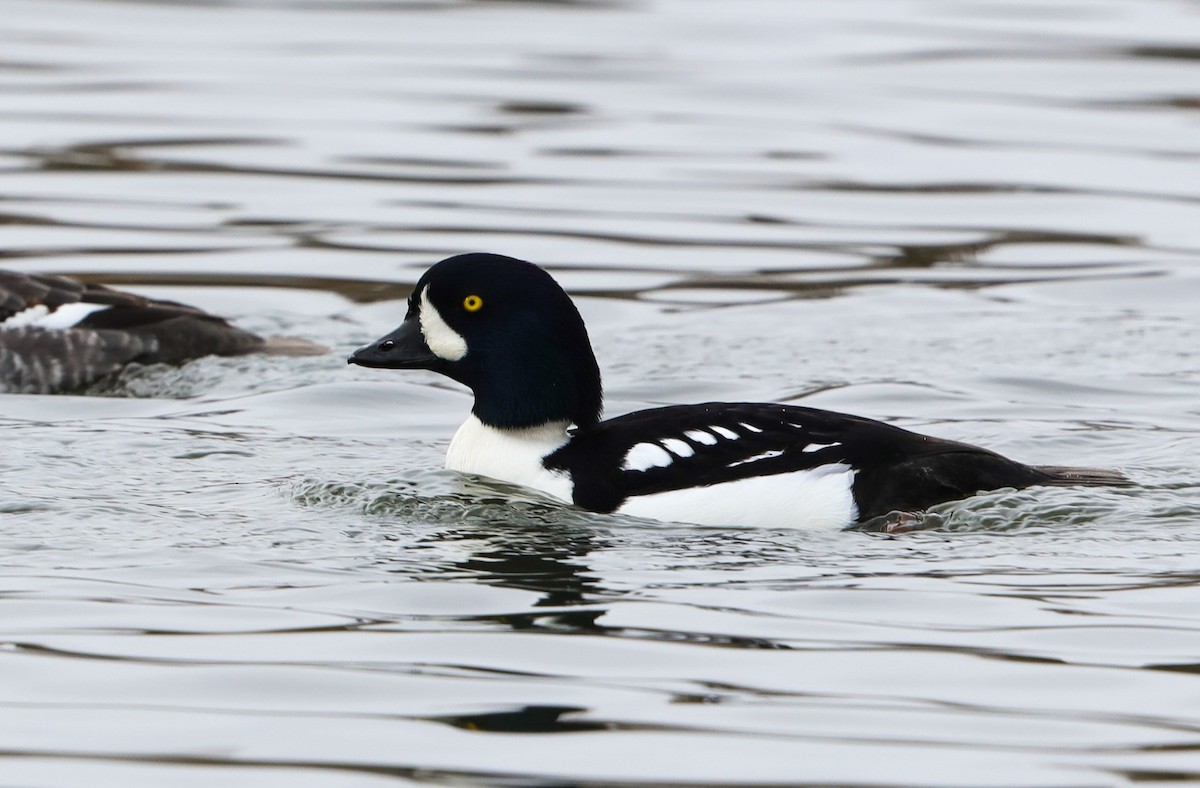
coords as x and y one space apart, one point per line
1066 476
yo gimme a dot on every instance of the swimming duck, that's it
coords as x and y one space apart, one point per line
59 334
505 329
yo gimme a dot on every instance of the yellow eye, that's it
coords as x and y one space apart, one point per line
472 303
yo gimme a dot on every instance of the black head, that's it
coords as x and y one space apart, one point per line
504 328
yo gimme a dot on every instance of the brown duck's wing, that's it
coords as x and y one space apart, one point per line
174 332
122 328
19 292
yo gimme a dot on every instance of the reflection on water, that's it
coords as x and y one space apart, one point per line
975 219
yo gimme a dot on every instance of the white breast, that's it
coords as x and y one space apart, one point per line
510 455
817 499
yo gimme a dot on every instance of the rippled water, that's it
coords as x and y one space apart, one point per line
976 219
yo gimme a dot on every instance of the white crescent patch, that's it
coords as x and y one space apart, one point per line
444 341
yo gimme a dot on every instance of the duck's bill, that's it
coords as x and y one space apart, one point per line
404 348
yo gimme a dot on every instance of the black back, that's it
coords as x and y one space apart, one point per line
896 469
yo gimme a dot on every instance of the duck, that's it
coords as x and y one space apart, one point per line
60 334
505 329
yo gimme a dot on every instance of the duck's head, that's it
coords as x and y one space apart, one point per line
504 328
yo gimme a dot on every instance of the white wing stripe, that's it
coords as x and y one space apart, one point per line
766 455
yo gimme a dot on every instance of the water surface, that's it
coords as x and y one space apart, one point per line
973 219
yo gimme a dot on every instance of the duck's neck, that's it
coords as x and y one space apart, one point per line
509 454
526 386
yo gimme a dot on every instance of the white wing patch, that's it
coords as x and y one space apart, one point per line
443 340
40 316
749 427
644 456
700 436
26 317
725 432
678 448
818 446
818 498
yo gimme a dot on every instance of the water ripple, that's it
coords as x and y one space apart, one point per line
972 219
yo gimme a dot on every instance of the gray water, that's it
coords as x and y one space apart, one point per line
976 219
